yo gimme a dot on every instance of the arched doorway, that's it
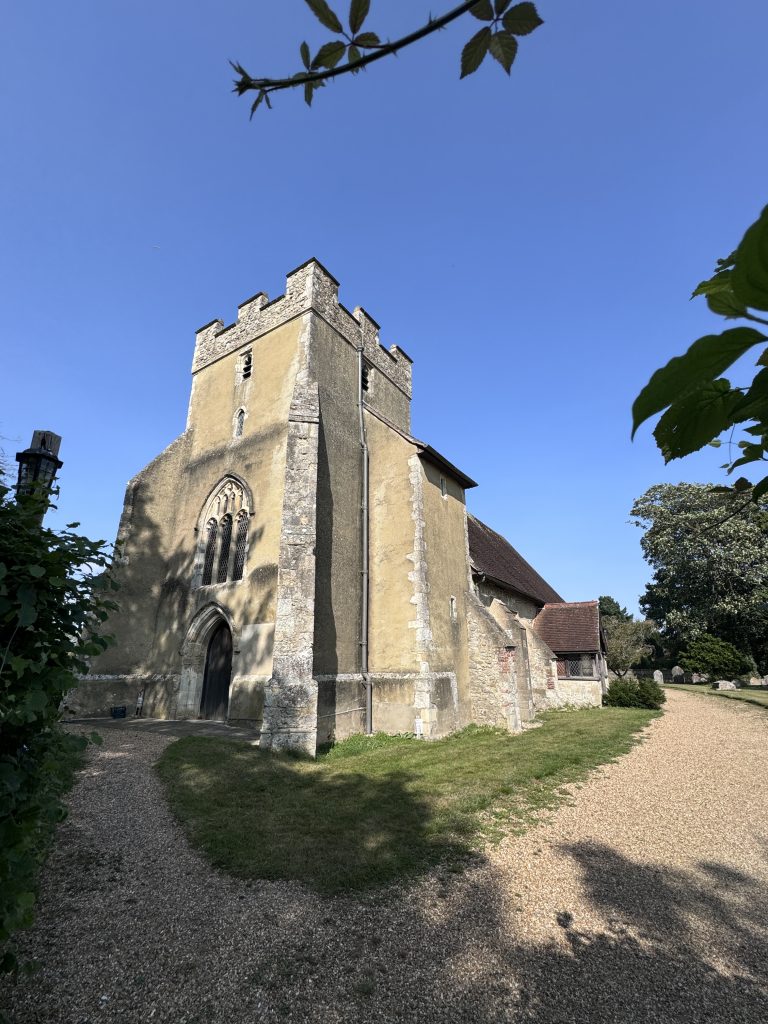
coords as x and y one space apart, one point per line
218 674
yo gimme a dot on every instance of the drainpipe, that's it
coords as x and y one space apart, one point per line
364 559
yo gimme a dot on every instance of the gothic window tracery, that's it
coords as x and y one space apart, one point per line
219 560
239 422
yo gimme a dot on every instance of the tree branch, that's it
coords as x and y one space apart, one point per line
265 86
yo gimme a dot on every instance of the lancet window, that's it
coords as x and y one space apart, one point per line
223 545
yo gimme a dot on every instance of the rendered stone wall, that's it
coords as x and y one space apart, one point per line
392 640
161 534
581 693
446 562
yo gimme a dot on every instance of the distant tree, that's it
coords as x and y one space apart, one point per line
715 658
626 643
611 609
709 553
352 50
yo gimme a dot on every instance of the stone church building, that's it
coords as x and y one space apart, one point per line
296 560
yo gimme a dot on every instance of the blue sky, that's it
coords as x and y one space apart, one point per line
531 242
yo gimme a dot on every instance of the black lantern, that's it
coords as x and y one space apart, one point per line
39 463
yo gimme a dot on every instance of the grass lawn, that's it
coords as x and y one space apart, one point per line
375 809
758 697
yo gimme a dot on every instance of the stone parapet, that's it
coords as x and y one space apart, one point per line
309 287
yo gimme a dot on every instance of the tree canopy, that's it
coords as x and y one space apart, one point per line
626 642
611 609
708 550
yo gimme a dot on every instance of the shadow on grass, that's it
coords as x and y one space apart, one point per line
374 811
288 818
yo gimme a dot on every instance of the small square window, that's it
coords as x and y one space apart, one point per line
365 377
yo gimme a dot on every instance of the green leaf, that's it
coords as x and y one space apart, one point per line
760 489
749 276
500 6
504 48
324 14
720 296
482 10
36 571
725 303
329 55
705 359
522 19
353 54
754 404
366 39
308 92
742 484
358 12
96 738
695 419
474 52
304 51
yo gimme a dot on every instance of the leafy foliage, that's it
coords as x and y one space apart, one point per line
52 606
626 643
357 49
700 404
709 553
626 693
611 609
715 658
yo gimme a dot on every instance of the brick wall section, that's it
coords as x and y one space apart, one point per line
290 699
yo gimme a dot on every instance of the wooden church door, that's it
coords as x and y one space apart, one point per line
218 673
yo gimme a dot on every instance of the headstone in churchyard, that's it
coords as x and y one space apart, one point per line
658 677
724 684
677 674
697 677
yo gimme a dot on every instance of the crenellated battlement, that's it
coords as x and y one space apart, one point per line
308 287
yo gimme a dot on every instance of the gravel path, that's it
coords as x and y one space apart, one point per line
644 900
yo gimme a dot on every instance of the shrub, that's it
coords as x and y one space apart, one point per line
52 604
626 693
715 657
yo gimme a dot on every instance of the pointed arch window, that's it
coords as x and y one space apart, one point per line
223 544
241 542
226 542
239 422
212 529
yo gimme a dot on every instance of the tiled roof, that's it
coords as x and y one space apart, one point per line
571 627
493 556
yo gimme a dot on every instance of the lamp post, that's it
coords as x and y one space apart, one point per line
39 464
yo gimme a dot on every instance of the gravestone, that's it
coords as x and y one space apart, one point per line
677 674
658 677
724 684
